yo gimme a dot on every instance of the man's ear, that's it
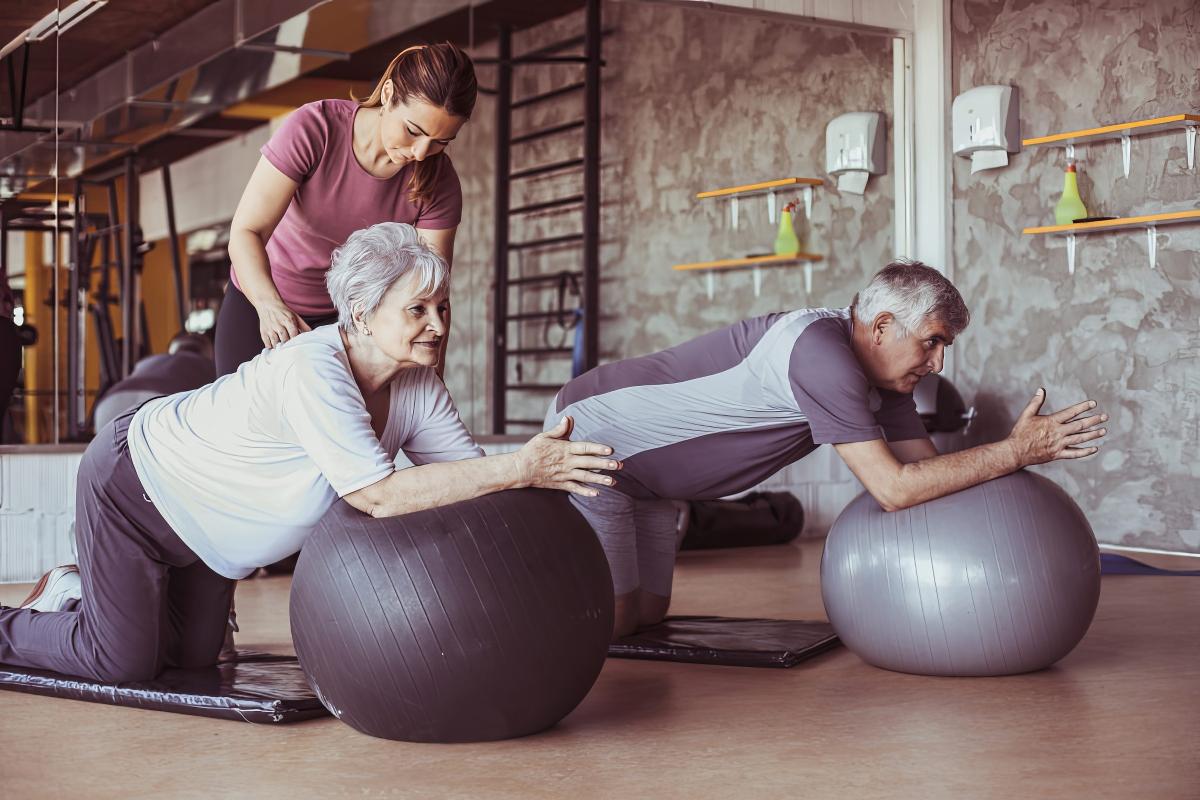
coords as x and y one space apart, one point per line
881 325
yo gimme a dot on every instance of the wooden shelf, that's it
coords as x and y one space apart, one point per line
1117 224
761 187
756 261
1138 127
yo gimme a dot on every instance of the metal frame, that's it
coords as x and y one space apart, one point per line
589 199
172 233
18 100
591 189
77 286
500 236
129 329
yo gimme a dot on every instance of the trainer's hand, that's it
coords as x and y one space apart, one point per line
277 323
551 460
1040 438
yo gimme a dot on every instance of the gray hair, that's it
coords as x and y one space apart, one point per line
372 260
912 292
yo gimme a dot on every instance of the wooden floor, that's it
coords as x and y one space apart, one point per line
1119 718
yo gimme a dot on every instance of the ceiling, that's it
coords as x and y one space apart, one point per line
96 42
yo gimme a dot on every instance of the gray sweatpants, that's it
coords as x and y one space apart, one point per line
148 601
638 536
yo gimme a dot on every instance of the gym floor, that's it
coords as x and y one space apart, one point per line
832 727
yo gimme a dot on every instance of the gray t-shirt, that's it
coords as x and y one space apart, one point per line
723 412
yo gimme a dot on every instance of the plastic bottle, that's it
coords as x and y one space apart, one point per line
786 241
1070 206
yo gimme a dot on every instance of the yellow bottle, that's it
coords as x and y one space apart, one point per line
786 241
1070 206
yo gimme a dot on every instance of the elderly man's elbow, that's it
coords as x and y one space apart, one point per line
886 504
890 498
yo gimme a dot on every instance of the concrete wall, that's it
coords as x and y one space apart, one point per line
693 99
1117 331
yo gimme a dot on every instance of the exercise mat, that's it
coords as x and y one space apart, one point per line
256 687
1113 564
729 641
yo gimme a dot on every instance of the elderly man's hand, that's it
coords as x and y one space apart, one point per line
1040 438
551 461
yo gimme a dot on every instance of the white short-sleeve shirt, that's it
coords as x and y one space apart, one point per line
244 468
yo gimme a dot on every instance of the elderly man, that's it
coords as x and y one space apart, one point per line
720 413
189 492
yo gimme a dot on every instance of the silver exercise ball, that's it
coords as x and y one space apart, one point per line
997 579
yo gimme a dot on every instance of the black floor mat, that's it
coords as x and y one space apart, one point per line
271 689
258 687
729 641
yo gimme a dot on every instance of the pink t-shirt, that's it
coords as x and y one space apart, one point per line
336 197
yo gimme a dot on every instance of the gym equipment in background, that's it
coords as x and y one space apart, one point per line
943 413
755 519
481 620
997 579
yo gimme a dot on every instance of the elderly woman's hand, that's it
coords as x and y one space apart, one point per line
551 461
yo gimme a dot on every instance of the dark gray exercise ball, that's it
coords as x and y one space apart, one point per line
997 579
485 619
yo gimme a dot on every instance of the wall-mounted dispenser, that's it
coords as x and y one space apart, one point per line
855 148
987 125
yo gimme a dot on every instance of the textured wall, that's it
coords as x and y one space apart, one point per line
693 99
1116 331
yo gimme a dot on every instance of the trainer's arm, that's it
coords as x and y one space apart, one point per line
1035 439
549 461
264 202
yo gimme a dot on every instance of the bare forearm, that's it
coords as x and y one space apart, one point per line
440 484
923 480
248 255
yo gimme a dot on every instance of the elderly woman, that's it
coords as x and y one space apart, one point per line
721 413
190 492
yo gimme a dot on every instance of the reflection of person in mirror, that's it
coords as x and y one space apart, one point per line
187 364
10 348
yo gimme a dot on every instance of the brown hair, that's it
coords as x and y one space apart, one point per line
439 74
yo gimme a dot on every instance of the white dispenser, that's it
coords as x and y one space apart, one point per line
855 149
986 125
